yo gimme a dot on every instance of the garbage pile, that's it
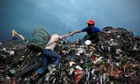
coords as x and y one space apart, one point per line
115 59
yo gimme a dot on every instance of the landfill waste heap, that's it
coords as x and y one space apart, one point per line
113 60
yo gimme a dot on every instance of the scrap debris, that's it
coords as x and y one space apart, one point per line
113 60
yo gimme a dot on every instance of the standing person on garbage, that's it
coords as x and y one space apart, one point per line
92 31
49 54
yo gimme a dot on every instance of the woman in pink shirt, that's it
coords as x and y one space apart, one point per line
49 54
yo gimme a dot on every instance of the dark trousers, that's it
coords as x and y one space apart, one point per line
94 37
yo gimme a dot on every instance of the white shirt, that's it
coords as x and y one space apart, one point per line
52 42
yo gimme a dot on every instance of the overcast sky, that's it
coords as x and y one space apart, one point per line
63 16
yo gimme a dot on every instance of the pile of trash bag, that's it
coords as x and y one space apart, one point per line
114 59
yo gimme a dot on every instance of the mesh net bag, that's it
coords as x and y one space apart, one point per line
39 39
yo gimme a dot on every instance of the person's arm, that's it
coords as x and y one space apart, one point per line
105 33
66 35
78 31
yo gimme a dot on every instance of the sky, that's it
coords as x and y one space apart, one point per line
63 16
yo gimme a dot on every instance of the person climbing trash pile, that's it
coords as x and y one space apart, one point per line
48 54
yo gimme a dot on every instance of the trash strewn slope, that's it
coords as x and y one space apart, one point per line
114 59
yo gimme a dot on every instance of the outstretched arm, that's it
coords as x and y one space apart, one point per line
105 33
70 34
78 31
66 35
